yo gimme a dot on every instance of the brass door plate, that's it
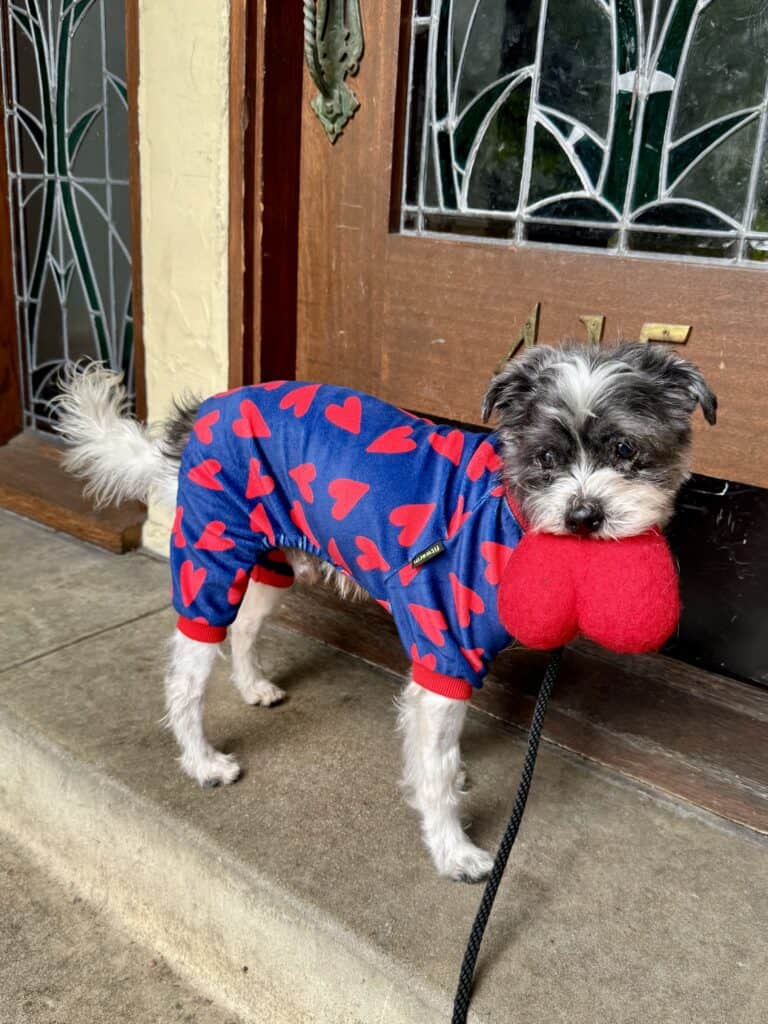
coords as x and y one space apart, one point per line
673 334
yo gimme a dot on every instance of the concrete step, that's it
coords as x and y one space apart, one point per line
302 893
62 961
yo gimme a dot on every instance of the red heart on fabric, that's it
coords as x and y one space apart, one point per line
450 445
497 556
190 581
303 476
238 587
621 594
298 518
474 656
384 604
485 458
259 523
258 486
337 557
204 475
371 557
465 601
202 426
407 574
346 493
413 519
429 661
346 416
431 622
458 518
251 422
212 538
396 441
272 385
299 399
179 540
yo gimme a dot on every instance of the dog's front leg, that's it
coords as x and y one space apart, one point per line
431 726
188 672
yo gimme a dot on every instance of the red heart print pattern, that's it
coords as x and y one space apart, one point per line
204 475
431 622
251 422
179 540
212 538
346 416
497 556
474 656
300 399
238 587
258 486
485 458
407 574
337 557
259 523
413 519
384 604
272 385
371 557
465 601
190 581
202 426
346 493
450 446
396 441
298 518
303 476
429 661
458 518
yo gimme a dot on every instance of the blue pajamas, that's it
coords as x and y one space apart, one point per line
415 513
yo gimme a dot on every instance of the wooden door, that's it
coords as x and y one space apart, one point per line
403 291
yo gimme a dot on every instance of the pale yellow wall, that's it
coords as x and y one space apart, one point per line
183 125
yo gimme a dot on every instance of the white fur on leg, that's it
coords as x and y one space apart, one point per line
247 674
190 667
432 778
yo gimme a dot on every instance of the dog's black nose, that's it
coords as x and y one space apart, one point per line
584 518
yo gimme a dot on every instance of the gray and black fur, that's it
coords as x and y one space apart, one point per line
597 440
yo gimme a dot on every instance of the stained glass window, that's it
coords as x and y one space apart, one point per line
634 126
67 142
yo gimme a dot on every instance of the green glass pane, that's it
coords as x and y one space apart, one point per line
552 172
760 212
495 176
577 62
726 67
416 115
676 245
721 178
500 40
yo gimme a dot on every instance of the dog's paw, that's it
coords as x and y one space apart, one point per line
466 863
260 692
216 769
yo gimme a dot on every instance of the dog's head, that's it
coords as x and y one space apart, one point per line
597 440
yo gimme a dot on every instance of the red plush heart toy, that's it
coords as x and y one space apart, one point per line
623 594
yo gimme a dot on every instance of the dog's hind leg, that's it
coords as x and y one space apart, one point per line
188 672
432 778
247 674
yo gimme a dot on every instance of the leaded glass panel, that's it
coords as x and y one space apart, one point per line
67 141
633 126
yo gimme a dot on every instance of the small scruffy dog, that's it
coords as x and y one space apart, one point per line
290 479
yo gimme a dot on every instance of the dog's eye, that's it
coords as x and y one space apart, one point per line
626 450
546 459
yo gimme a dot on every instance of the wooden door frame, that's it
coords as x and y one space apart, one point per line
265 90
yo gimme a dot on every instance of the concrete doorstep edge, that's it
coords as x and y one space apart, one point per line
253 948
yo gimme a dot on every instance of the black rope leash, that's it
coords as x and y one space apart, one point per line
464 987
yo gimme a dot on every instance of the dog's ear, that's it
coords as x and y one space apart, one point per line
511 390
677 377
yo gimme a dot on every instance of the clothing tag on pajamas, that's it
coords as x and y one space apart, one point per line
428 553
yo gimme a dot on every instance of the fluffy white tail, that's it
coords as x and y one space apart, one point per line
118 457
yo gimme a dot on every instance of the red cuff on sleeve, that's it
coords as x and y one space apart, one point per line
261 574
446 686
201 631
